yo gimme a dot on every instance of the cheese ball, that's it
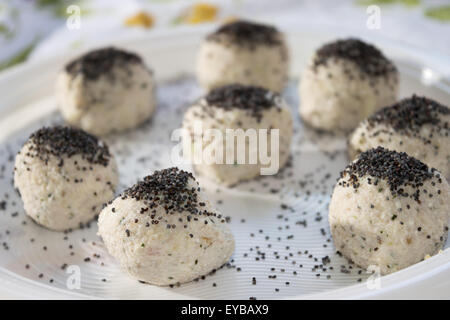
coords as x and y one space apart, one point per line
163 231
245 53
106 90
389 210
64 177
418 126
346 81
244 109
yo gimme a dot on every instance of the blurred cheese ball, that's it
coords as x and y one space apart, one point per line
64 176
246 53
237 108
106 90
418 126
346 81
389 210
163 231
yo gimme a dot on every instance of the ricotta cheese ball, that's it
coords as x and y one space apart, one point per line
345 82
389 210
64 176
418 126
240 110
243 52
163 231
106 90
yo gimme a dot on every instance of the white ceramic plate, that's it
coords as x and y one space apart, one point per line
283 218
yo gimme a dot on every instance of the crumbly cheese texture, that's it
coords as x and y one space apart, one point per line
372 225
226 59
421 132
336 93
164 244
210 116
63 192
118 97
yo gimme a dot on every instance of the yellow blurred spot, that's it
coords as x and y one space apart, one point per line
201 12
140 19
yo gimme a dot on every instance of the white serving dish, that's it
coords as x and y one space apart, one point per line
27 102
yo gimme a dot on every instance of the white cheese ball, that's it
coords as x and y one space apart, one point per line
389 211
106 90
345 82
237 107
418 126
163 231
246 53
64 177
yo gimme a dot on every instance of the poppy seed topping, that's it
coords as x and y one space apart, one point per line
98 62
62 142
367 57
250 98
246 33
396 168
410 114
170 189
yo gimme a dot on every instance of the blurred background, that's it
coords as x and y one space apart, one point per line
37 29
